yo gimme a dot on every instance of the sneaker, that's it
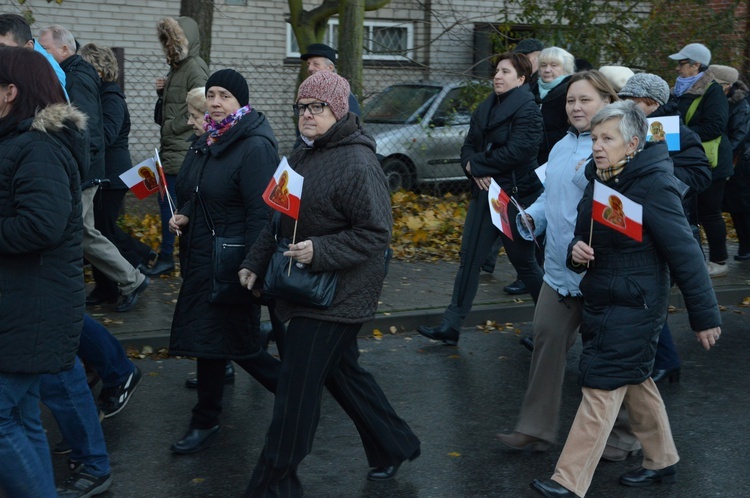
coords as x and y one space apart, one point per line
716 270
83 485
113 399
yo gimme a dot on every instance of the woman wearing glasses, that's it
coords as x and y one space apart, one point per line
219 186
344 226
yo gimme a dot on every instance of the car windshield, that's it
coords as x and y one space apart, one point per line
401 104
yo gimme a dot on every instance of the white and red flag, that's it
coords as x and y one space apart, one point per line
142 178
614 210
284 191
499 201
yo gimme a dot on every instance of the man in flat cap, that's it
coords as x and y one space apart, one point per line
321 57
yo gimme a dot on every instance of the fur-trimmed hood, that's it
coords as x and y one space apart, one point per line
55 118
738 92
700 86
179 38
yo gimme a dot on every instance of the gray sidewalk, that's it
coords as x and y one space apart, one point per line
414 293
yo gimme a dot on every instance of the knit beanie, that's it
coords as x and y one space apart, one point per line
645 85
617 75
724 75
233 81
327 87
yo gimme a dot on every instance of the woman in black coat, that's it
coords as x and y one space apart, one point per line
626 297
502 144
555 68
109 198
41 259
709 120
737 192
220 185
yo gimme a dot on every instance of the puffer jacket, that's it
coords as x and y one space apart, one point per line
737 192
231 176
626 287
503 142
345 211
180 41
738 125
710 118
41 258
82 83
116 133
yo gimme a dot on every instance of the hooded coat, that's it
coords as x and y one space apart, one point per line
710 118
231 176
345 211
626 287
180 41
41 259
737 192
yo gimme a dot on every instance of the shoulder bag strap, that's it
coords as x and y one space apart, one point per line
692 108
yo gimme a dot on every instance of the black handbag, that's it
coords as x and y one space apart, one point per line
295 283
227 257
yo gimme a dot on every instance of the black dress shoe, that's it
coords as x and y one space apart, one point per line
389 472
192 382
383 473
516 288
672 374
551 489
742 257
440 333
641 477
528 343
129 300
194 440
161 267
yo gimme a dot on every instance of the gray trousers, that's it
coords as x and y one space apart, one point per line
101 253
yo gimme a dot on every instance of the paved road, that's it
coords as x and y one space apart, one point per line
455 399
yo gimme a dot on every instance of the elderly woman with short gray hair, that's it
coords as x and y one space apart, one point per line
626 297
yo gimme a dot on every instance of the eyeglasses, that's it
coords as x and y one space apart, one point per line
683 62
314 108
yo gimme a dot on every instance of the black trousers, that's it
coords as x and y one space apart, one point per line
107 207
318 354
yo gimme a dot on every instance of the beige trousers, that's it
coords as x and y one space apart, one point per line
593 423
100 252
556 324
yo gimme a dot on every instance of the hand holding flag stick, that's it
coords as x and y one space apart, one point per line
284 194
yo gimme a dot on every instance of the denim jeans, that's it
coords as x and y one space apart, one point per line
68 397
167 237
26 469
102 352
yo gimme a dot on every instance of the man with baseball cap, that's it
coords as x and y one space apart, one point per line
321 57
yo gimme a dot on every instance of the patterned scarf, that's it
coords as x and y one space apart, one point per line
216 130
614 170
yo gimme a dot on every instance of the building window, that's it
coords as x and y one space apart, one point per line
382 40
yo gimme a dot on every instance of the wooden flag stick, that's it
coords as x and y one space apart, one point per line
591 236
294 237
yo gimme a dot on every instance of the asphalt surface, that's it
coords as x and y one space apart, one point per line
456 399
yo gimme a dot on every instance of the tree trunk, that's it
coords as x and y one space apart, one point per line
351 38
203 13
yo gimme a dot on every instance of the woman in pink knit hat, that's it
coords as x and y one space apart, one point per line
344 226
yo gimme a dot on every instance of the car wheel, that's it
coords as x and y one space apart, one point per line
398 174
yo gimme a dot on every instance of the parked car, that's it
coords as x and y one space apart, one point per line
419 128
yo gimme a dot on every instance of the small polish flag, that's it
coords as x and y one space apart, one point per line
284 191
499 201
142 178
614 210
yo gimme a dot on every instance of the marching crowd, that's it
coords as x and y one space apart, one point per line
64 128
